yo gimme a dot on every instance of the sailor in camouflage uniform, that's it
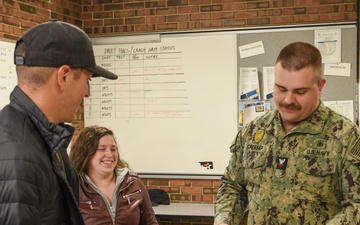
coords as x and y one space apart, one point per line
298 164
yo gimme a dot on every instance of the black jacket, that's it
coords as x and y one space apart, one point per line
33 187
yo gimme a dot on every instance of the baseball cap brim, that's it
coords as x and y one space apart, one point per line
101 72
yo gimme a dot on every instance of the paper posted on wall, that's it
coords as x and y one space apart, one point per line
250 110
249 83
268 82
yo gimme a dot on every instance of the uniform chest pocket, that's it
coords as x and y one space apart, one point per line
317 175
253 163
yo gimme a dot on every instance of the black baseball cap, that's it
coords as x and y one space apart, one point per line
56 43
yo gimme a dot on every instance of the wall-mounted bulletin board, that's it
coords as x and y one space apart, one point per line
8 79
174 108
338 45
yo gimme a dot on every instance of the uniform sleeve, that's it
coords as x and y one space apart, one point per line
231 200
148 215
350 183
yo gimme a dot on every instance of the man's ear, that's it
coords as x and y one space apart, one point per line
63 76
321 84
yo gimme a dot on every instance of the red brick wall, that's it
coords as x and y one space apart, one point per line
186 190
18 16
104 17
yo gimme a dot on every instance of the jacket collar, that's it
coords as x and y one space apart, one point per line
55 135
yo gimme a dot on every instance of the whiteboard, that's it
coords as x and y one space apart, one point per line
173 108
8 78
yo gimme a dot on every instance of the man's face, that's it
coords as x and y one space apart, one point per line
78 89
296 94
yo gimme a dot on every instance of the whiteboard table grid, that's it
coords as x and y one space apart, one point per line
169 106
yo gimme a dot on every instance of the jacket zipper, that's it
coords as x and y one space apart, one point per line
88 202
131 194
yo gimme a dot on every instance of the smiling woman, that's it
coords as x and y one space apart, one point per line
109 192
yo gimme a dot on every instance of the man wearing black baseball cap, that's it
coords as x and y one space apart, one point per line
54 63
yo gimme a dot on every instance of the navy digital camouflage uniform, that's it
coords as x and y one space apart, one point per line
309 176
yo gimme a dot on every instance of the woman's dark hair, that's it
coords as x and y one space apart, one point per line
85 147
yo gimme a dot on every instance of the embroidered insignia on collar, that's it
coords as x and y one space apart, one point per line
281 163
258 136
319 143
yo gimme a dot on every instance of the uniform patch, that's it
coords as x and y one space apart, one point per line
355 151
317 152
258 136
255 147
281 163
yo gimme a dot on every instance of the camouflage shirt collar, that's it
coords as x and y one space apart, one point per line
314 124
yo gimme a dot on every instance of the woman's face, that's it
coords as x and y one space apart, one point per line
105 158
